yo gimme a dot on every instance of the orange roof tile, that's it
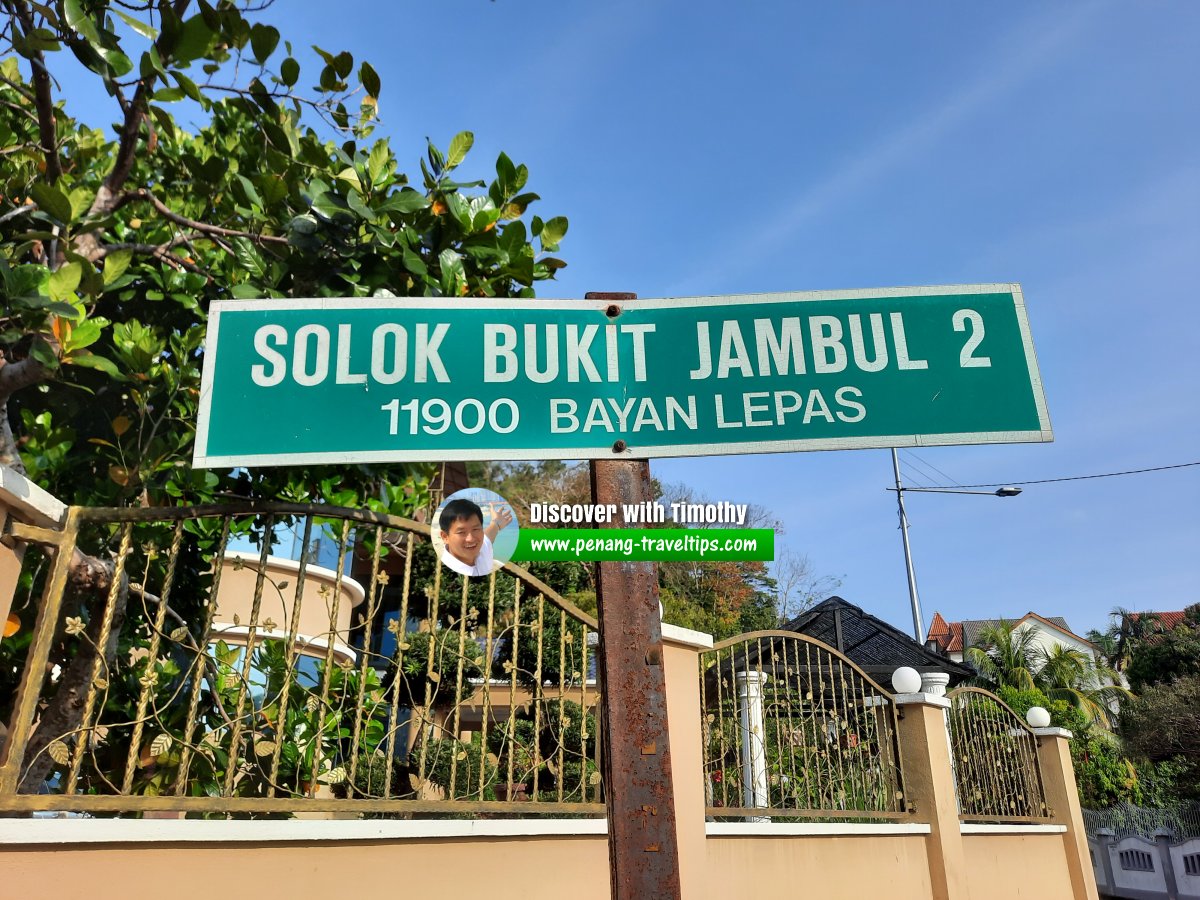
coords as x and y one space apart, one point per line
1168 620
938 626
956 640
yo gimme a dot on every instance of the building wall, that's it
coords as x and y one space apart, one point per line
1017 866
523 868
829 868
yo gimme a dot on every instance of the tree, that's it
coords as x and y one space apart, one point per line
112 249
1004 656
1163 725
1168 656
1125 633
1011 657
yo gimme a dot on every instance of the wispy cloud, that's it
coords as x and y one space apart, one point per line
1017 58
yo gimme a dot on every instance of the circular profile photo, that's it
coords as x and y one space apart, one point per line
474 531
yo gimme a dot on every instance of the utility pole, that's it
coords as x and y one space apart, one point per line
918 621
643 849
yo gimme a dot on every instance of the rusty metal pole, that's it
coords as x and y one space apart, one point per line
643 850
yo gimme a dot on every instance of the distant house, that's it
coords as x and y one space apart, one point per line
953 638
1148 623
874 646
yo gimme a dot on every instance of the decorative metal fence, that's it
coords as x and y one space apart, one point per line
1124 820
996 769
173 673
794 729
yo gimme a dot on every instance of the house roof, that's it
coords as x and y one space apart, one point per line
1168 620
875 646
955 636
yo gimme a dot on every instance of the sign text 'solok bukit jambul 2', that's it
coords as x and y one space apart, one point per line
373 380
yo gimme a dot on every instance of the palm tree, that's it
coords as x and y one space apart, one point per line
1085 683
1126 630
1005 657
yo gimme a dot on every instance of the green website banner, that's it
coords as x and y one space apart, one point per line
378 380
645 544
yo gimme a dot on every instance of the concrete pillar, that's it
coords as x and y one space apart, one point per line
1062 796
1104 842
1162 838
929 785
935 683
681 661
754 750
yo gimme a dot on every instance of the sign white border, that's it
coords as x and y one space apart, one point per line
201 458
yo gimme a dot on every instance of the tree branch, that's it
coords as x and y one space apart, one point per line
203 228
87 244
15 375
18 211
43 100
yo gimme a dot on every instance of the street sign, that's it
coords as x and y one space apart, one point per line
377 380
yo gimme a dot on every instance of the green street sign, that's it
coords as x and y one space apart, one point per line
378 380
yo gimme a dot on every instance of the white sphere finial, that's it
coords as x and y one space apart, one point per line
906 680
1038 717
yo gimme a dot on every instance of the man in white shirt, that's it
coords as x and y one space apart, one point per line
468 548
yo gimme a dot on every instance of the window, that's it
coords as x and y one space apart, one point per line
1191 864
1136 861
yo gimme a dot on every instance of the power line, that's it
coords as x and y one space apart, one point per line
930 465
1077 477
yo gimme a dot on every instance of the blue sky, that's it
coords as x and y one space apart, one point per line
713 148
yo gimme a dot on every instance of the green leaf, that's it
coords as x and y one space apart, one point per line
43 353
454 277
343 63
188 86
79 21
330 206
355 202
41 39
249 258
263 41
506 175
84 334
118 62
378 160
52 201
63 282
459 146
458 207
195 37
150 65
90 360
146 31
57 307
414 263
81 201
289 71
305 224
405 201
251 193
553 231
115 264
169 95
369 79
